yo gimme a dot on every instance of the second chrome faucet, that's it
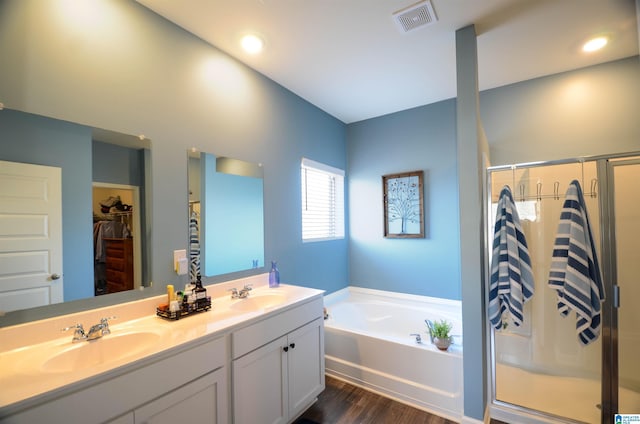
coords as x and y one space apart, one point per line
242 294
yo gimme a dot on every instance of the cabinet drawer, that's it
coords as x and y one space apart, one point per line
247 339
114 251
115 276
115 264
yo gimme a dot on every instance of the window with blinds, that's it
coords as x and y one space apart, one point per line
322 201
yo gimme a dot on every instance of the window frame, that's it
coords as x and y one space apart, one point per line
337 208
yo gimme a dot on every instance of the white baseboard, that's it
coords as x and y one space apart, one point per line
469 420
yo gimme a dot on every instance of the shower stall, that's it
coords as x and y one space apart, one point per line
540 370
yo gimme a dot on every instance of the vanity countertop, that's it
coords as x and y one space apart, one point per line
37 369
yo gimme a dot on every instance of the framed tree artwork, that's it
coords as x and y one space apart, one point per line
403 205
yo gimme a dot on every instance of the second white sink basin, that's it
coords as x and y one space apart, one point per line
112 347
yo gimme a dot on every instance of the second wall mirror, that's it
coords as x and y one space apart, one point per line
226 212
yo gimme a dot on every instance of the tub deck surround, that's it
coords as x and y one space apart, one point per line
28 376
368 343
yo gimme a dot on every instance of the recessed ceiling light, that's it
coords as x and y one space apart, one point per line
594 44
252 44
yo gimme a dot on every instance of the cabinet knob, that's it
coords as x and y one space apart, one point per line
286 348
292 345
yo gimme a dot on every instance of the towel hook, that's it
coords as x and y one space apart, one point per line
594 187
539 191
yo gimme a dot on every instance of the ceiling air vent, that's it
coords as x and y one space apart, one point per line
416 16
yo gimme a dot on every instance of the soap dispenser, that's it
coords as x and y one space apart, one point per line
274 275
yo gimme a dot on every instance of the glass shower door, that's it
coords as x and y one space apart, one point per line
626 190
540 365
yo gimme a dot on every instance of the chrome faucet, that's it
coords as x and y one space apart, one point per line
99 330
242 294
95 332
430 326
78 333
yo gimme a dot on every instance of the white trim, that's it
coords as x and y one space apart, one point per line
469 420
332 297
321 166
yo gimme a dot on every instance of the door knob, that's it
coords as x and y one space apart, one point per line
55 276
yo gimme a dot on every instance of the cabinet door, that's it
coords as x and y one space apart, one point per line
202 401
259 385
305 365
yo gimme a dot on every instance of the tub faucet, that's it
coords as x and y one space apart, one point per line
417 336
430 325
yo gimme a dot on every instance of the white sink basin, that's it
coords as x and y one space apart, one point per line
112 347
259 301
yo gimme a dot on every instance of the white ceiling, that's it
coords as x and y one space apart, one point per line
348 58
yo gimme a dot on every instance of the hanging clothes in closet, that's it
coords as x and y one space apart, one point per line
511 284
575 273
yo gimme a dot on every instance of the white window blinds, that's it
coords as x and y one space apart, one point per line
322 201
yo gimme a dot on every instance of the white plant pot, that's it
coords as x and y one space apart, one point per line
442 344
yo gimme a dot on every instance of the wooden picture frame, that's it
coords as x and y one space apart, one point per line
403 205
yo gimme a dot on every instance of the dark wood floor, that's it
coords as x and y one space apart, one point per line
343 403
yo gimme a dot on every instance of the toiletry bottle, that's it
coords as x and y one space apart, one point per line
274 275
170 293
201 293
188 297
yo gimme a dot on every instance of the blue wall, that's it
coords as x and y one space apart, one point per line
42 141
233 226
589 111
423 138
118 165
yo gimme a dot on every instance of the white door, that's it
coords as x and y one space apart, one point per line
30 236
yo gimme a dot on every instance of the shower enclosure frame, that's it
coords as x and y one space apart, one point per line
609 331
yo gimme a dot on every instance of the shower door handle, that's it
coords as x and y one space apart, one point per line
616 296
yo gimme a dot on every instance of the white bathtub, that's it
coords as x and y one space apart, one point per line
368 343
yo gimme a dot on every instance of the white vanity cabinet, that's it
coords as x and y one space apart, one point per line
202 401
242 363
278 365
189 386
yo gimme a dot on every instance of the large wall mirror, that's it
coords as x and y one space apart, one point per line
226 214
93 241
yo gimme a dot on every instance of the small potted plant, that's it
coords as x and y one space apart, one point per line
440 334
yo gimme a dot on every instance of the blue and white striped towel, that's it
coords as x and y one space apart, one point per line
511 284
194 247
574 272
